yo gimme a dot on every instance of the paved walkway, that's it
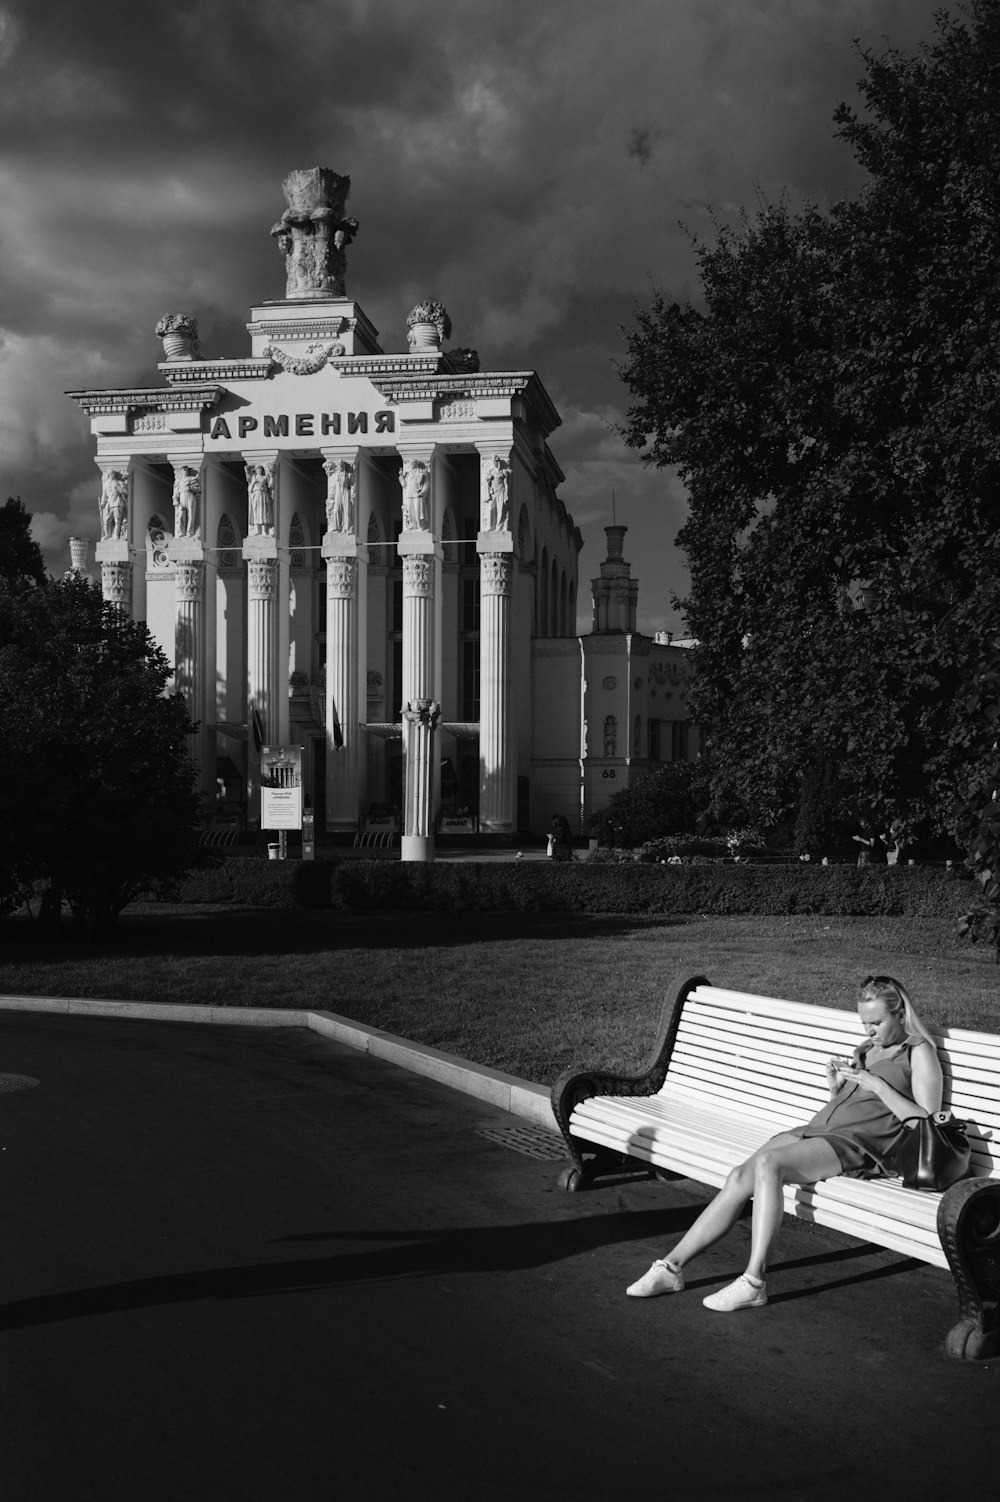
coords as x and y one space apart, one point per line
245 1263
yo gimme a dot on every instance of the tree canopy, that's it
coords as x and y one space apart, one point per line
833 407
20 556
98 801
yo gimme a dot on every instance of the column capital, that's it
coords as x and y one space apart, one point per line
116 583
342 578
262 579
189 579
418 575
495 573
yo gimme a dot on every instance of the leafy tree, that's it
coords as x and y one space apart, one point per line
98 802
833 409
20 556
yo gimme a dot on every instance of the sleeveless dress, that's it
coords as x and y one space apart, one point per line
858 1126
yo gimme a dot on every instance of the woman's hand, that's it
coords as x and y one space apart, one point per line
836 1070
872 1083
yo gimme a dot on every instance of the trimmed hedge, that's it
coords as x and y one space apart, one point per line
712 888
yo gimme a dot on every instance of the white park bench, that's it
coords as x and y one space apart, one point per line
729 1070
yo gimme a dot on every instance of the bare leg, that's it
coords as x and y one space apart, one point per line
722 1213
803 1160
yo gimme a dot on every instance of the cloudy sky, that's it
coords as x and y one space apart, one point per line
537 165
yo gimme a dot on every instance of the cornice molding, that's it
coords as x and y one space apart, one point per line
196 398
194 372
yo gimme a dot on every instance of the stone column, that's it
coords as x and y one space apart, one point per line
418 626
420 722
343 709
497 772
421 557
346 560
261 556
188 561
495 545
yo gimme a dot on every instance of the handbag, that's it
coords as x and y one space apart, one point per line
934 1154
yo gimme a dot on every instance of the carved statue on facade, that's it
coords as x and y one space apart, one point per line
610 735
340 490
495 514
187 502
114 506
260 496
313 233
415 480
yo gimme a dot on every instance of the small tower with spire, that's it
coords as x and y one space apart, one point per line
615 593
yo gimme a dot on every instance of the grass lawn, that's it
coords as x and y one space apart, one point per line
526 993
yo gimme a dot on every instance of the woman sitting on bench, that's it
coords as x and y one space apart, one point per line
894 1073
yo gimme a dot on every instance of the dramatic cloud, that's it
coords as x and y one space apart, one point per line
531 164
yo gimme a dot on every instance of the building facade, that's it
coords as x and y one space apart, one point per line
336 545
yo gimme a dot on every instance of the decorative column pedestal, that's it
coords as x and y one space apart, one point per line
261 556
343 556
497 772
420 722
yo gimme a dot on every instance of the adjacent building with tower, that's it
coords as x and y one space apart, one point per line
365 554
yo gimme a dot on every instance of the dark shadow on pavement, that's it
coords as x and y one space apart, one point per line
416 1254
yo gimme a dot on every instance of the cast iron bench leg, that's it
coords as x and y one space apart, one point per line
969 1227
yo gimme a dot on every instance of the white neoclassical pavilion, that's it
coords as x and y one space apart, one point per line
321 534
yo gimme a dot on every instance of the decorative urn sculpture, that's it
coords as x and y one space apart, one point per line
429 325
179 333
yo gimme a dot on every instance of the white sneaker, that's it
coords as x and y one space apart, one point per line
659 1279
740 1294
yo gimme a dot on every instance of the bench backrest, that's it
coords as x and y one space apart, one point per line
764 1057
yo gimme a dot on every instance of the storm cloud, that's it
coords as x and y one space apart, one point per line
537 165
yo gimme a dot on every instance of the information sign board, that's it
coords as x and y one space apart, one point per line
281 787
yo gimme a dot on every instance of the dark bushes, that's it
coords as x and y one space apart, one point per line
709 887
